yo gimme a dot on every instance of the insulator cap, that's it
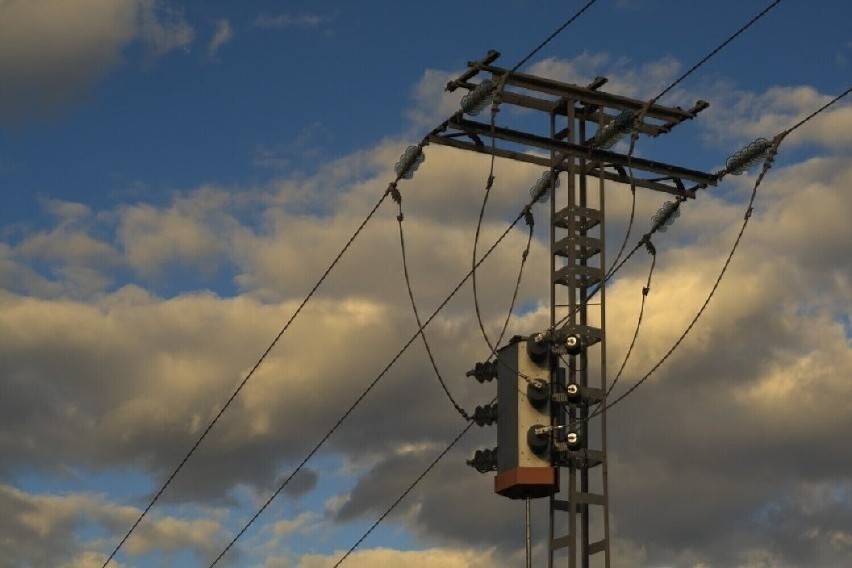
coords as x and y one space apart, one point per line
573 393
538 443
573 345
485 371
538 347
538 393
573 440
484 461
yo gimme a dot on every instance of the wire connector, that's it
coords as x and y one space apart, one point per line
393 191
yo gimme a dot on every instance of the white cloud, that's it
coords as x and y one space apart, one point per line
738 115
46 528
273 21
224 34
126 378
432 103
430 558
52 53
162 27
625 78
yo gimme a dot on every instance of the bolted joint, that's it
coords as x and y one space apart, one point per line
538 439
538 393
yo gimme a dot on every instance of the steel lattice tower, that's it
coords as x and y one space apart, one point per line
578 118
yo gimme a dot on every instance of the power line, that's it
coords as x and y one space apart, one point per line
772 150
367 390
634 135
407 491
495 107
645 290
766 165
440 378
555 33
247 377
816 112
719 48
392 189
646 241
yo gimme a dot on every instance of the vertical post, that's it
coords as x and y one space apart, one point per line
528 535
603 379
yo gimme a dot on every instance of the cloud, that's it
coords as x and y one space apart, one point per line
277 21
433 104
625 78
163 28
43 529
737 116
727 456
224 34
52 54
431 558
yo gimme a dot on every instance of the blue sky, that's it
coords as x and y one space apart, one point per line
175 176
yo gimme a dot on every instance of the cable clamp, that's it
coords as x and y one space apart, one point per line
394 192
528 216
490 181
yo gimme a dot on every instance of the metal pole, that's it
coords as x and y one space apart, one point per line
529 537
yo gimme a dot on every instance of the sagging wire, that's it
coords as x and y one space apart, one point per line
634 134
370 387
528 217
246 379
525 213
408 490
767 164
645 291
733 167
400 217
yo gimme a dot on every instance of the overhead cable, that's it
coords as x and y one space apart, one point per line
767 164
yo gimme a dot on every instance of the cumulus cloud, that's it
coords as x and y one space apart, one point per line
52 53
430 558
742 423
223 35
625 78
43 529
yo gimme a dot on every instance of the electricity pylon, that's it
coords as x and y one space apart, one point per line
582 122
